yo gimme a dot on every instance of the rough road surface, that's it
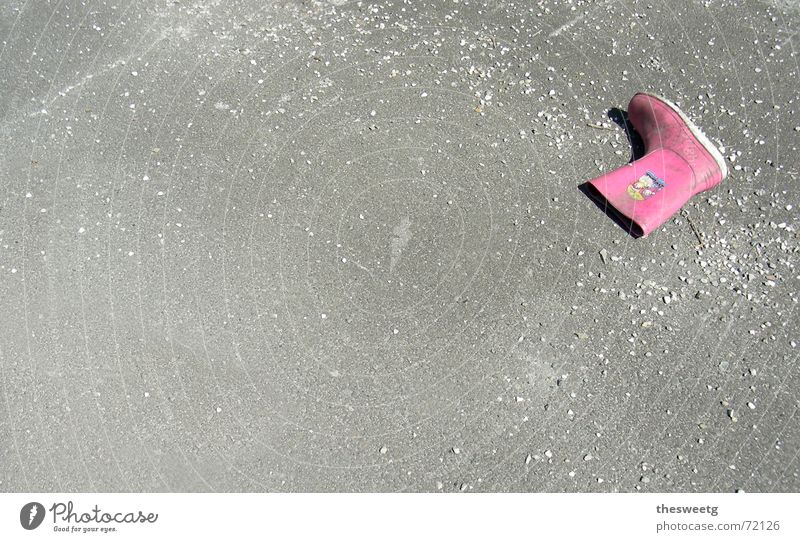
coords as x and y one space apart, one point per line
299 245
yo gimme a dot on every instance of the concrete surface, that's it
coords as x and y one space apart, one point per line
339 246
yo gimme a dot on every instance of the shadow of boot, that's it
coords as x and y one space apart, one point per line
620 117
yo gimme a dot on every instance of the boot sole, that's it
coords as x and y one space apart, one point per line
696 132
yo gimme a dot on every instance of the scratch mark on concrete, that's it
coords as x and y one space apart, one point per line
86 78
569 24
402 235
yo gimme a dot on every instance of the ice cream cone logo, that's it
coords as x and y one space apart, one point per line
646 186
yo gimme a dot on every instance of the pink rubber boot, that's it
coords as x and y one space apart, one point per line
679 162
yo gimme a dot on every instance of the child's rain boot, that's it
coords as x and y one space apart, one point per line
679 162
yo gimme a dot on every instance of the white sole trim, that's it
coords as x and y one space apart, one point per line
696 132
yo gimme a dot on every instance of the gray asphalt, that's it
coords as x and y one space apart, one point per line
340 246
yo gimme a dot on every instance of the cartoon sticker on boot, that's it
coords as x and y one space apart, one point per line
646 186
